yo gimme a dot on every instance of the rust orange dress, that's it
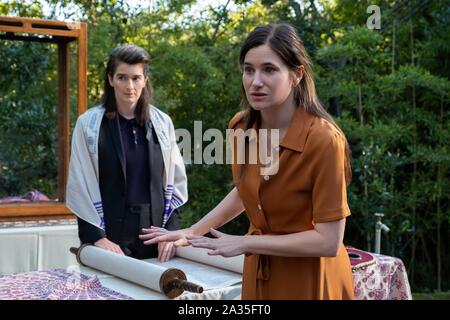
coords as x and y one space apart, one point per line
308 188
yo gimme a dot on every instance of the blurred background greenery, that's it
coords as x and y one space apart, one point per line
387 88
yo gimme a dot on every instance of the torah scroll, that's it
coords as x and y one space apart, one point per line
234 264
171 282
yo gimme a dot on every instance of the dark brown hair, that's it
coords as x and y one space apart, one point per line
129 54
283 39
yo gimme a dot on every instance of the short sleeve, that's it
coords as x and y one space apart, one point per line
329 193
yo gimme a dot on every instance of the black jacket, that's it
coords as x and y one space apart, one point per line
112 177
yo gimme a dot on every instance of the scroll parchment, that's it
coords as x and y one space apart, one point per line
234 264
211 272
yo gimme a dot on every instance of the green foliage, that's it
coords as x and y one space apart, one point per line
391 86
28 118
32 9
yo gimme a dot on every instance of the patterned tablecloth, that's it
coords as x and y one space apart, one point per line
57 284
379 277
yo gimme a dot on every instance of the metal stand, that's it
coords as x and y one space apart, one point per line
378 227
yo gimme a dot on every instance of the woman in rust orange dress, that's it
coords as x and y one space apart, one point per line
294 248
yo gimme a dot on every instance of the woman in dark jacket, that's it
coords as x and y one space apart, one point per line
133 161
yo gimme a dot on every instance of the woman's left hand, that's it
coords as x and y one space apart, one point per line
223 244
166 251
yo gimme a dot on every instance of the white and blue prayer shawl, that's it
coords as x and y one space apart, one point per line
83 191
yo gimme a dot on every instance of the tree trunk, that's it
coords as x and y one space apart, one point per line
439 193
414 175
393 46
359 108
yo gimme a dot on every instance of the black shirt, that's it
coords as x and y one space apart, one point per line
136 153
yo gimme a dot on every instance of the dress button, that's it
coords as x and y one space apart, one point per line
266 178
259 206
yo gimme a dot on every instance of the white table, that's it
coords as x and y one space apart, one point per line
27 249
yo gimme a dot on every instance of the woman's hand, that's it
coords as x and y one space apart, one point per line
166 251
156 235
104 243
223 244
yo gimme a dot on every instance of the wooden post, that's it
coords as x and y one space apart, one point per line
63 116
82 69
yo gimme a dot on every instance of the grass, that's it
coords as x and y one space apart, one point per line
432 296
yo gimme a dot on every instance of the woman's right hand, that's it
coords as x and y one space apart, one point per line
105 244
156 235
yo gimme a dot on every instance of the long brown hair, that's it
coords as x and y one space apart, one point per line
283 39
129 54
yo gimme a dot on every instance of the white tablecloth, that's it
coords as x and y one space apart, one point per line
37 248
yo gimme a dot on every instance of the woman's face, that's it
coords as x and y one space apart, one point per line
128 82
267 80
